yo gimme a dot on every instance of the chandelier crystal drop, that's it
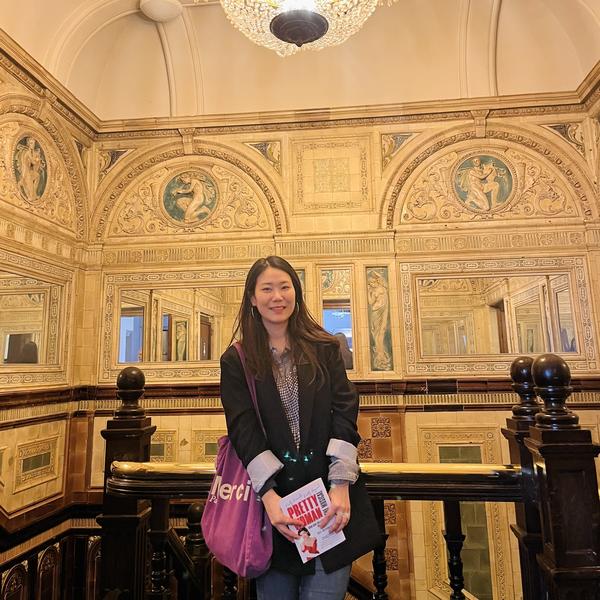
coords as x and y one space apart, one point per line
288 26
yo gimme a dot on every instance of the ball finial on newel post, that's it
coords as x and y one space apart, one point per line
522 384
130 388
552 378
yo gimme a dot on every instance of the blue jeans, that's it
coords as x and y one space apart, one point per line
277 585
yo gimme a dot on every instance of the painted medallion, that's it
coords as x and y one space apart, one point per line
483 183
30 168
190 197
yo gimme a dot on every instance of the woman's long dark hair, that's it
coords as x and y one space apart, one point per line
303 330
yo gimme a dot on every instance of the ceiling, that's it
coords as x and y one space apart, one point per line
123 66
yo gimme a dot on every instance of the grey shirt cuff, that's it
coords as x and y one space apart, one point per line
343 466
263 467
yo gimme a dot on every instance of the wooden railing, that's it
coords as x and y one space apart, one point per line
552 483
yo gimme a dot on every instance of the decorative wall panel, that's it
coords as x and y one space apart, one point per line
380 334
486 184
332 175
204 444
32 174
36 463
163 446
430 440
190 199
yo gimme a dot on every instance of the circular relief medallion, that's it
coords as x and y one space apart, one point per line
190 197
483 183
30 168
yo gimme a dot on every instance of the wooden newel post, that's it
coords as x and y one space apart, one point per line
527 529
567 487
124 521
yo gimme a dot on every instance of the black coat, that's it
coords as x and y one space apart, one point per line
329 410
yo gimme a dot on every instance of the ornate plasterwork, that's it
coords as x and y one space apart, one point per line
16 261
9 230
549 163
347 246
485 184
468 241
52 202
331 174
67 174
572 132
231 204
306 125
232 172
487 438
336 283
107 160
416 364
390 146
270 150
10 66
188 254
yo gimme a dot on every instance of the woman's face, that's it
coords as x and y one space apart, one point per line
274 297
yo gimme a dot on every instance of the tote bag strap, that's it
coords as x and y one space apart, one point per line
251 383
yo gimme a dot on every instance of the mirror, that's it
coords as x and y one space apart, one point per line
29 314
176 324
496 315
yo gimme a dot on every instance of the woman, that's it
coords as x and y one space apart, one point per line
309 410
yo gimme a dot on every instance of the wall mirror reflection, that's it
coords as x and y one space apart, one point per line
177 324
336 288
29 315
496 315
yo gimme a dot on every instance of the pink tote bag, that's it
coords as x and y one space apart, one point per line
235 525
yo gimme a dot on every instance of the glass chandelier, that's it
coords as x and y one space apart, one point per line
288 26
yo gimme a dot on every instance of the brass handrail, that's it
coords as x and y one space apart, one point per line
409 481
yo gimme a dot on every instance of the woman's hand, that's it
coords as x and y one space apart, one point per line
278 518
338 514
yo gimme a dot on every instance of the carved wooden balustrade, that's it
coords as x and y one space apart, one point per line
552 483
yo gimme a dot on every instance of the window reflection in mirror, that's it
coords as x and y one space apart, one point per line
565 323
29 315
177 324
530 327
496 315
131 334
337 310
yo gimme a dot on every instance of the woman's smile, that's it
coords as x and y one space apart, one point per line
274 297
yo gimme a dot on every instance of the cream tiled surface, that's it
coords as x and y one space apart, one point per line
409 203
29 488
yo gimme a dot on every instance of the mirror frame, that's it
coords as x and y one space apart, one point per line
419 365
114 284
58 283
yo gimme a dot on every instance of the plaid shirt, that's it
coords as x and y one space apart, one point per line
286 379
